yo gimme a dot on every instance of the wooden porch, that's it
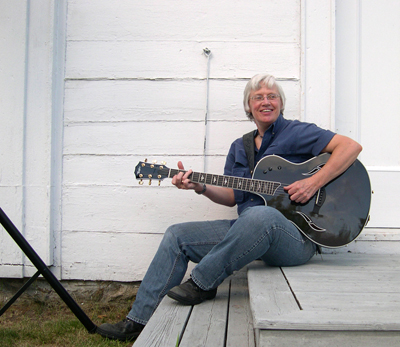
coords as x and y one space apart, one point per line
343 299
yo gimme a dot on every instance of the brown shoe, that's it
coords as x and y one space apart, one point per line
189 293
126 330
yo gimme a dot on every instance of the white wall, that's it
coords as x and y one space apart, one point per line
367 85
31 85
136 87
12 62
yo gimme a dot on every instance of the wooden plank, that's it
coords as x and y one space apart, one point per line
363 302
133 138
240 328
272 338
179 19
351 262
128 100
133 100
331 320
377 281
270 295
208 320
182 59
165 325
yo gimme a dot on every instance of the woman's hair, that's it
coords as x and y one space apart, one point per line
256 83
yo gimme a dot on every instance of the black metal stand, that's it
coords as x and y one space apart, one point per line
45 272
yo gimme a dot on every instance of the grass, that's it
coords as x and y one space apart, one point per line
31 324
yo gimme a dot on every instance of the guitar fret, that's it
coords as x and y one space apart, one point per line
195 176
265 189
271 188
215 180
259 186
262 186
226 182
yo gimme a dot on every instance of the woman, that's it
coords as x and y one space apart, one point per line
221 247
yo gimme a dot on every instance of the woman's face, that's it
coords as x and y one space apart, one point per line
265 112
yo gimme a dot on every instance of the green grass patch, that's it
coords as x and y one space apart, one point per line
37 324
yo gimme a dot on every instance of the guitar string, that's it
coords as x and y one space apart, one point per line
171 172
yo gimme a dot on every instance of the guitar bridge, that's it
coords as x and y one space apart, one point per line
320 198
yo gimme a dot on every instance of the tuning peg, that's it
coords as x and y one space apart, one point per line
149 182
159 183
141 182
154 161
145 160
164 162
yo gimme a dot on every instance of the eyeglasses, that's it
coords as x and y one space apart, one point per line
269 97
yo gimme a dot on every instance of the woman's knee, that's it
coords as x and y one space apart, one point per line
264 215
174 232
181 233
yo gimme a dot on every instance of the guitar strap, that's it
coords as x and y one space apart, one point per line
248 141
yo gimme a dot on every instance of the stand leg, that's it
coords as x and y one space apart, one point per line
18 294
46 273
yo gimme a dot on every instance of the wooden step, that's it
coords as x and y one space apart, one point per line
225 321
349 294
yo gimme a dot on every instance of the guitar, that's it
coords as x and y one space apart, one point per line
332 218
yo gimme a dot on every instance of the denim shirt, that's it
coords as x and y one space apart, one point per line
291 139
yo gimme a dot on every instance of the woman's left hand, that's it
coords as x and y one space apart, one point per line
182 181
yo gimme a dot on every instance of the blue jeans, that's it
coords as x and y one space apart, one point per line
219 249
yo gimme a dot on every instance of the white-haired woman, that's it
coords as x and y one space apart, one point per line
221 247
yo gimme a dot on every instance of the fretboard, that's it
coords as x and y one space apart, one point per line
238 183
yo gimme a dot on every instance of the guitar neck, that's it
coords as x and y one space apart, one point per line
238 183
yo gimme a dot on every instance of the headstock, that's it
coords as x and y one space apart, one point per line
150 171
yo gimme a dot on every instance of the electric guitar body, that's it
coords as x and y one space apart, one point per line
335 215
